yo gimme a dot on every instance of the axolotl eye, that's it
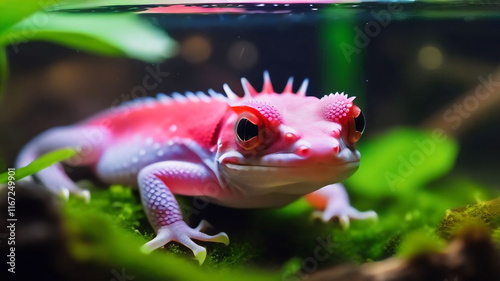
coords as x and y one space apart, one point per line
246 130
247 133
252 128
359 122
355 125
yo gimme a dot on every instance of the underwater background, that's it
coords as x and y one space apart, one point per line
426 75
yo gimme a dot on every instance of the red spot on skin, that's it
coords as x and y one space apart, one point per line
336 133
336 149
290 137
302 150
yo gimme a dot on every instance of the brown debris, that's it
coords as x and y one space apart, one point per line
472 255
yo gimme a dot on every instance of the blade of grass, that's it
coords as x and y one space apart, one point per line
41 163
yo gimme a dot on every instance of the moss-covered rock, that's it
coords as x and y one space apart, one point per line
484 213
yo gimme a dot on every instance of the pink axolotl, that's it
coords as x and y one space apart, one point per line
261 150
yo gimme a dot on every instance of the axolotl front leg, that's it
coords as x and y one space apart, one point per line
157 183
332 202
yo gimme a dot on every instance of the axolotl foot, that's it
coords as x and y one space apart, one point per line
59 183
344 215
182 233
334 203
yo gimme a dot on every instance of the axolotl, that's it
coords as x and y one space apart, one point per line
263 149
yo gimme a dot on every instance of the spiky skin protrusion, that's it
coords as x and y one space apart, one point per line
267 88
336 106
267 110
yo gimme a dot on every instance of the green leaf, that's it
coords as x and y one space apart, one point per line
88 4
14 11
4 70
41 163
106 34
401 161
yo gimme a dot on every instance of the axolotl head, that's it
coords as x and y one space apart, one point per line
289 142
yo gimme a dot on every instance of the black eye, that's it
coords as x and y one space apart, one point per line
359 122
246 130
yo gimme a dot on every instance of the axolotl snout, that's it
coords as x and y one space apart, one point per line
261 150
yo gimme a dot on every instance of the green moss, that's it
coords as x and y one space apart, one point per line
420 242
484 213
496 235
118 203
98 239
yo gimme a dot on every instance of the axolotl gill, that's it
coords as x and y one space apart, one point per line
264 149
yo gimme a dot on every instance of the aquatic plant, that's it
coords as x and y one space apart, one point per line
97 33
42 162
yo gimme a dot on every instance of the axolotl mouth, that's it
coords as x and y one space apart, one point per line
284 173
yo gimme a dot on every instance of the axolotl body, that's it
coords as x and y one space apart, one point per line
261 150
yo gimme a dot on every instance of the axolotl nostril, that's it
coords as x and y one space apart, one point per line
261 150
